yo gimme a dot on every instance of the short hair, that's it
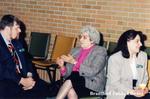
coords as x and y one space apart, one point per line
122 42
8 20
92 32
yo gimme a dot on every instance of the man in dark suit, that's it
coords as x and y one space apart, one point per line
16 73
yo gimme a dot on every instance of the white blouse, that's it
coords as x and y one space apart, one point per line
133 67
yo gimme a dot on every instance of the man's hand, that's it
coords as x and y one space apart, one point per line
28 83
28 88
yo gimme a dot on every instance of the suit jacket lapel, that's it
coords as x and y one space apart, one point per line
3 45
76 52
17 48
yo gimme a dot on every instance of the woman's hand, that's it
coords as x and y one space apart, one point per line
69 59
60 62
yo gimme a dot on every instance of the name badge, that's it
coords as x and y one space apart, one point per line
139 66
21 50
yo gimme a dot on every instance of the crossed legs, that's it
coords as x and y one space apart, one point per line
67 90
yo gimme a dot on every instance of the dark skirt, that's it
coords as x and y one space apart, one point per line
147 96
78 83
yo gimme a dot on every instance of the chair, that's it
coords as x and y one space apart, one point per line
62 45
105 44
38 49
101 42
39 45
147 50
111 47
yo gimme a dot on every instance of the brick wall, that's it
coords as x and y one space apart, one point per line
111 17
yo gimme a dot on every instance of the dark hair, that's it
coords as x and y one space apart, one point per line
143 38
127 36
8 20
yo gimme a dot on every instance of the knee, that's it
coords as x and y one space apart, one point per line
72 94
68 82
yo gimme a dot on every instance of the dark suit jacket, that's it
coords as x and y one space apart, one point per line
7 65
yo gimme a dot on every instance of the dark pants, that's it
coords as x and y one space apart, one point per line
78 83
147 96
11 90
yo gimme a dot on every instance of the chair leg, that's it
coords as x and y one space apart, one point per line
54 66
54 75
49 74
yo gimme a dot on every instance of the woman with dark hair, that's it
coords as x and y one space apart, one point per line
127 68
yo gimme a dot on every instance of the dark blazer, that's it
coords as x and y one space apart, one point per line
92 68
7 65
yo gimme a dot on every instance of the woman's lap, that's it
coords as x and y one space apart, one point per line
147 96
78 83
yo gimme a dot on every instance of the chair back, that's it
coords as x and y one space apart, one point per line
111 47
147 50
105 44
62 46
39 45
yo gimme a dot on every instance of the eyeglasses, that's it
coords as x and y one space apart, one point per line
83 36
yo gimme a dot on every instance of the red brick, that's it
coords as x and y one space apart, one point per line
68 16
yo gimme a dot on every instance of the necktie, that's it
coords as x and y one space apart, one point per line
14 56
